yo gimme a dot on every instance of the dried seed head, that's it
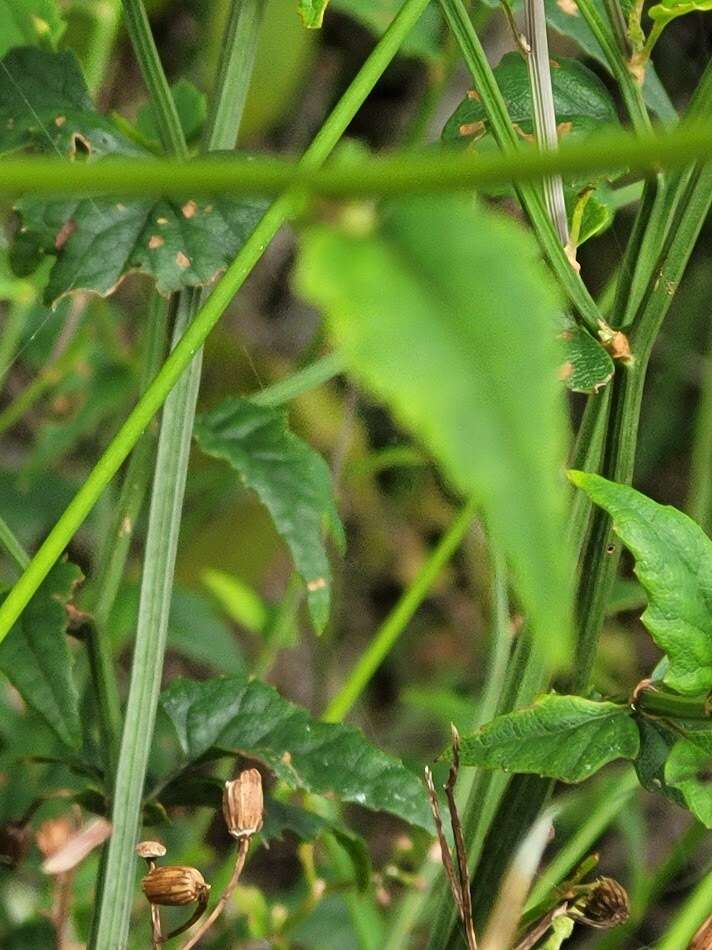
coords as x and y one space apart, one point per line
604 905
243 804
175 886
150 849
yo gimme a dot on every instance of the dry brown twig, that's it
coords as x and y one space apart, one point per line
459 880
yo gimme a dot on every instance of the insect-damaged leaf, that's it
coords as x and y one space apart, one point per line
587 367
433 317
564 737
45 106
291 479
673 562
237 715
35 655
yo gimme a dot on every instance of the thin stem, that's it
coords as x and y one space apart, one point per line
12 545
408 173
310 377
164 108
699 497
205 320
693 912
242 850
390 630
107 16
505 136
543 108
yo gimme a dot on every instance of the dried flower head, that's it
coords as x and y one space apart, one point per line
175 886
243 804
150 849
605 904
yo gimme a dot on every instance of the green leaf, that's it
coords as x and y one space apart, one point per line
35 655
582 103
422 42
656 741
29 23
689 769
45 106
191 105
446 313
237 715
673 562
669 10
291 480
312 12
587 367
564 737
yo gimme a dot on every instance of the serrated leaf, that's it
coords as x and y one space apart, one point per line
35 655
563 737
250 717
673 562
192 108
29 23
581 101
45 106
689 769
291 480
312 12
587 367
423 41
432 316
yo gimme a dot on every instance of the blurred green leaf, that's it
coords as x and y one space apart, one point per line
239 601
657 738
689 769
35 655
669 10
581 101
291 480
564 737
191 106
45 105
29 23
445 311
673 562
249 717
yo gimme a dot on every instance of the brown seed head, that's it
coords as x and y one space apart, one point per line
175 886
604 905
150 849
243 805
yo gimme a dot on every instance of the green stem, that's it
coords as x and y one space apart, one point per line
310 377
12 328
653 702
205 320
164 108
693 912
390 630
12 545
505 136
386 175
699 498
107 16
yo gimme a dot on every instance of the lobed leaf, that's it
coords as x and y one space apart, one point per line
291 480
446 313
35 655
239 715
689 770
673 562
563 737
45 106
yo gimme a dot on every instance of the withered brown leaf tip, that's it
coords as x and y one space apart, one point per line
605 905
175 886
243 804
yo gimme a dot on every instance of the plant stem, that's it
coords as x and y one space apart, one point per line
310 377
107 16
164 108
505 136
693 912
409 173
699 497
205 320
390 630
12 545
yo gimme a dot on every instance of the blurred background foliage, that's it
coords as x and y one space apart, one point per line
69 376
